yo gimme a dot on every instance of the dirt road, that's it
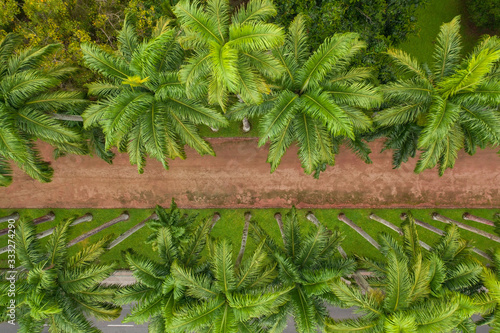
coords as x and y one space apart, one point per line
240 177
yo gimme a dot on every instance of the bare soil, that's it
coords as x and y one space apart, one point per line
239 177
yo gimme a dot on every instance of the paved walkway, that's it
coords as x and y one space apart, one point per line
239 177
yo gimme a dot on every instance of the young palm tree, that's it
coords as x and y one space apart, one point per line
318 101
28 106
230 52
414 292
175 238
441 110
227 298
56 288
143 108
308 263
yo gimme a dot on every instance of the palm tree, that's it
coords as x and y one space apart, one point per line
318 101
143 108
230 52
28 105
414 292
56 288
442 109
175 237
228 298
491 280
308 263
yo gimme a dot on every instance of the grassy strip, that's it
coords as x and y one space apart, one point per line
231 225
235 129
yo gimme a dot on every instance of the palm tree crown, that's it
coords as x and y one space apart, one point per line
27 101
59 289
143 108
308 263
175 238
228 298
317 102
412 291
442 109
230 52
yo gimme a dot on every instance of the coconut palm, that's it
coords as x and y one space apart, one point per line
29 102
413 291
175 237
230 52
318 101
228 298
442 109
143 108
308 263
56 288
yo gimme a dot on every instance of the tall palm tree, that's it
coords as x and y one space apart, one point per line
442 109
308 263
412 291
143 108
318 101
228 298
29 101
56 288
230 52
175 237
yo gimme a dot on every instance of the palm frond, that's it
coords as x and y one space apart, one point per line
254 11
447 50
104 63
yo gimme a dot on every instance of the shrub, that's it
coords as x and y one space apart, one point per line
485 13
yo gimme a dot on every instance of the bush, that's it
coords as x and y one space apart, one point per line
381 23
485 13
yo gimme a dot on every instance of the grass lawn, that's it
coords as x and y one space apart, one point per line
430 17
231 225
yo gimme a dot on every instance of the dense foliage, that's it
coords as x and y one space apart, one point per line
485 13
380 23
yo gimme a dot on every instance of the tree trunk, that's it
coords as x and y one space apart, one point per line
13 216
46 218
131 231
360 280
396 229
311 217
444 219
244 238
277 216
470 217
215 218
360 231
442 233
85 218
424 225
66 117
246 125
123 217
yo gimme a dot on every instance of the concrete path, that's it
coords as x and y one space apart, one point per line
240 177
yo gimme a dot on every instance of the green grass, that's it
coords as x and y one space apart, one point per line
430 17
235 129
231 225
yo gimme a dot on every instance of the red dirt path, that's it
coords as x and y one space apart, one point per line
240 177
